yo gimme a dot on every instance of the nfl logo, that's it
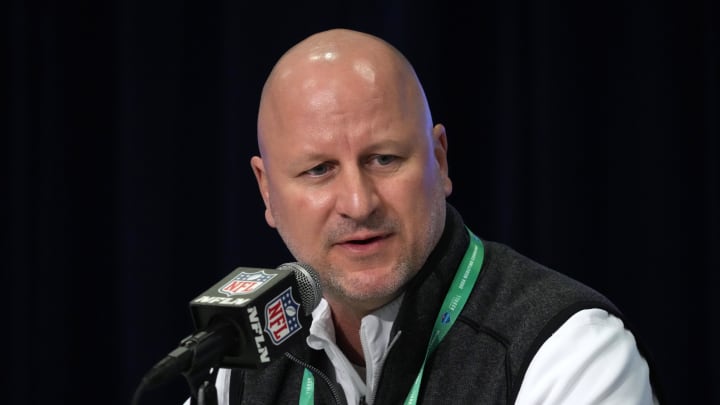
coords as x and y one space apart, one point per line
281 317
245 283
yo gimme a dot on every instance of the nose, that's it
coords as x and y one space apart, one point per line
357 196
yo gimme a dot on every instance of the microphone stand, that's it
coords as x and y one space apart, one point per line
207 349
202 386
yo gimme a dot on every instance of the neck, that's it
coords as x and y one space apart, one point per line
347 332
347 317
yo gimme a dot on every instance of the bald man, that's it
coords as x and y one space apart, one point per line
353 173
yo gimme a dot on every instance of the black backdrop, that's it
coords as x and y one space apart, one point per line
584 134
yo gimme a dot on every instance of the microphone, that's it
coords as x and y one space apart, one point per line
245 320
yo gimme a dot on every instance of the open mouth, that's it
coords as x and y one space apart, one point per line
365 241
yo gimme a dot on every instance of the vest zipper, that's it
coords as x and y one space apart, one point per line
316 371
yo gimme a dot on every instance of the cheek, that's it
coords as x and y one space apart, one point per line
292 206
317 201
406 197
418 188
416 197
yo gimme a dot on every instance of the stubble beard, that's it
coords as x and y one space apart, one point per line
367 290
372 291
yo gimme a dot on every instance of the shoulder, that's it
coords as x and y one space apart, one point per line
591 358
513 285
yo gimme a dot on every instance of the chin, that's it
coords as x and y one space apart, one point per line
374 287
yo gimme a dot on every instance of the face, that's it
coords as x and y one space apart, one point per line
354 178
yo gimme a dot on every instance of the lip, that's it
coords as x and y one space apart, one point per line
363 243
362 237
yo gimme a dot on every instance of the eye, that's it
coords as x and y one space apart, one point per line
384 160
318 170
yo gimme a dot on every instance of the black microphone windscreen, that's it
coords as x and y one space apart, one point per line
308 284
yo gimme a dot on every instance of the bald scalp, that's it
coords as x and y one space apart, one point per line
336 58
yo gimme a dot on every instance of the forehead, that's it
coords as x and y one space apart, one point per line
350 100
326 91
331 125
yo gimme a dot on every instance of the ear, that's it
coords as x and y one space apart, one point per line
258 167
440 147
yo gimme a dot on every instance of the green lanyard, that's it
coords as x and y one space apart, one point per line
455 300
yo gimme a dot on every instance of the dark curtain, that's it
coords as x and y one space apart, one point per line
583 134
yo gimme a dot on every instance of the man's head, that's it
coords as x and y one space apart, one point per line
353 174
